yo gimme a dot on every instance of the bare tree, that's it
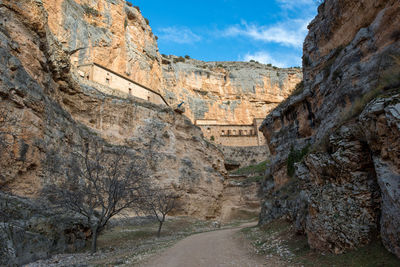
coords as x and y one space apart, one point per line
99 184
160 202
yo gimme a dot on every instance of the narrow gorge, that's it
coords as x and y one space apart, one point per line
317 146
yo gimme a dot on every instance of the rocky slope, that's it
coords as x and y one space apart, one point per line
339 130
117 36
229 92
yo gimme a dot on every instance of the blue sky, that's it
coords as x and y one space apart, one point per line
269 31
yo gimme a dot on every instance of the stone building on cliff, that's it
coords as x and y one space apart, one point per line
101 75
232 134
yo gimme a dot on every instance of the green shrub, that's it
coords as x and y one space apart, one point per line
187 57
269 65
125 23
259 168
147 21
90 11
220 66
129 3
137 8
212 138
294 157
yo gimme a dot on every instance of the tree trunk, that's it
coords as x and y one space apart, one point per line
159 229
94 239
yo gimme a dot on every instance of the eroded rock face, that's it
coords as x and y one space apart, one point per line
117 36
32 230
350 58
110 33
380 122
229 92
342 193
55 114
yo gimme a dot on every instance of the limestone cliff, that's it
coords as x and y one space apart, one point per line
55 112
117 36
229 92
108 32
332 137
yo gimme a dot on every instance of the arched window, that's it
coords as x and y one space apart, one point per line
223 132
234 132
208 130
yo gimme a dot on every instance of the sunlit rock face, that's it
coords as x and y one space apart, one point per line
56 114
110 33
229 92
118 37
346 113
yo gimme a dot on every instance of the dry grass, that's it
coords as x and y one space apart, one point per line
278 239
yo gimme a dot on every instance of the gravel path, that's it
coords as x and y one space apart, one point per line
216 248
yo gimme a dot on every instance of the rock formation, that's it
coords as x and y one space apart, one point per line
334 135
117 36
229 92
108 32
54 114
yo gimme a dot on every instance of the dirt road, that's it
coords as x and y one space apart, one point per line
218 248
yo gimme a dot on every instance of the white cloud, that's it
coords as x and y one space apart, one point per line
279 60
180 35
288 33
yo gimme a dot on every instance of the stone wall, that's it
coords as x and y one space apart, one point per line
232 135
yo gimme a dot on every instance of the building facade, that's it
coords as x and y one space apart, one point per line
232 135
106 77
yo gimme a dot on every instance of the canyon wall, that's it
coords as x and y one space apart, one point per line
229 92
117 36
54 112
47 114
332 139
110 33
